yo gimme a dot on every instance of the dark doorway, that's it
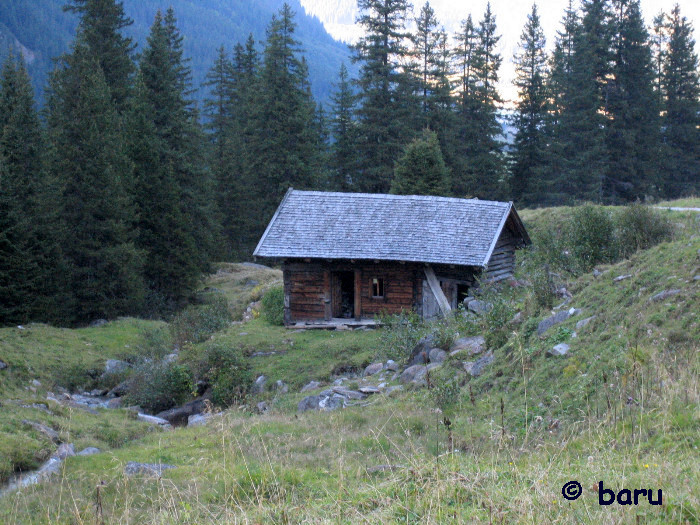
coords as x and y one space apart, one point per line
344 295
462 293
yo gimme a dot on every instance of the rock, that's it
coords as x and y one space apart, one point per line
64 451
133 468
339 381
374 368
696 278
347 393
153 420
115 366
664 295
621 278
468 299
120 390
178 416
116 402
198 420
517 319
473 345
369 390
597 273
3 365
342 328
560 349
170 358
259 385
479 307
419 354
396 388
281 386
574 311
476 368
391 365
413 374
584 322
433 366
89 451
332 403
262 407
554 320
309 403
437 356
36 383
98 322
43 429
313 385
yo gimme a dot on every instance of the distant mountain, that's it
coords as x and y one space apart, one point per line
41 31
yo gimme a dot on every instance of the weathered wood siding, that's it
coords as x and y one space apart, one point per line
304 291
501 265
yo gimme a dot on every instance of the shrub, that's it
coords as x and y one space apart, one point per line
273 305
195 324
495 321
640 227
591 236
155 343
543 288
399 335
158 386
445 333
227 372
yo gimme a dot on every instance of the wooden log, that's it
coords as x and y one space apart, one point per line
434 285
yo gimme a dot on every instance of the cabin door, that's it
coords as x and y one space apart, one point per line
343 294
431 308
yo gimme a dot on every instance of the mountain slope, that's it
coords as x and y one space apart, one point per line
40 30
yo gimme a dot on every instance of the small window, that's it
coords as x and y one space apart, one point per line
377 288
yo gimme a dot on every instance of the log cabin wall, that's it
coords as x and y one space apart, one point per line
501 265
311 288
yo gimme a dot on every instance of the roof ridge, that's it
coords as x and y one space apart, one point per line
396 197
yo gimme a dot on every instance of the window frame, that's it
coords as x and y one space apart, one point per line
381 287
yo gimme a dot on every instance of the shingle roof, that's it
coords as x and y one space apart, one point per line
327 225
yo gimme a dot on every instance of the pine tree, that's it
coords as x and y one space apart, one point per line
530 156
171 138
101 24
284 139
89 158
681 122
480 164
387 109
342 127
633 126
31 284
421 170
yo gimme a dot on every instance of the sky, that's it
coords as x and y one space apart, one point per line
338 17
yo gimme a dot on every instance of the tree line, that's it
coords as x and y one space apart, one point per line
117 197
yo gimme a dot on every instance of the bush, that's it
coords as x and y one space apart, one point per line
591 236
195 324
495 321
639 227
399 335
273 305
158 386
227 372
155 343
543 288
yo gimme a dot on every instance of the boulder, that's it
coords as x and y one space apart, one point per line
374 368
584 322
332 402
43 429
551 321
262 407
281 386
621 278
437 356
178 416
153 420
115 366
560 349
419 354
309 403
476 368
64 451
473 345
313 385
347 393
392 365
433 366
3 365
413 374
479 307
133 468
120 390
89 451
116 402
369 390
664 295
395 388
259 385
198 420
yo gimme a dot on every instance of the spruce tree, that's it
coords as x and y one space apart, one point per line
387 112
681 122
101 25
89 158
633 126
342 127
529 154
421 170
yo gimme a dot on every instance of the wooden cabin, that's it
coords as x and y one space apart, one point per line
346 257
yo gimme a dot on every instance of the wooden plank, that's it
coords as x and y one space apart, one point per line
358 294
327 294
434 285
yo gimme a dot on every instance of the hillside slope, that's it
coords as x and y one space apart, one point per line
42 31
